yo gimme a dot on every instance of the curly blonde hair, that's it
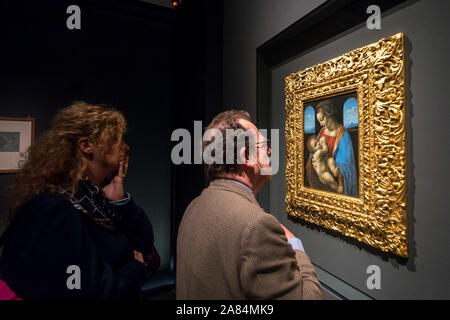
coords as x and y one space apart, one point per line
53 161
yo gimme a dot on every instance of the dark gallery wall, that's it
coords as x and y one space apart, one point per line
120 57
198 93
247 25
159 66
342 263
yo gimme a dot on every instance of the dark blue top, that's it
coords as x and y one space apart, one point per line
48 235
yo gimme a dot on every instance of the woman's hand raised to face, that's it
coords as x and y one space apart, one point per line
114 190
138 256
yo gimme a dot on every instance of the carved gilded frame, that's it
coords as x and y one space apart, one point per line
379 216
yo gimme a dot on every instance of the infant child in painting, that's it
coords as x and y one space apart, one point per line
325 166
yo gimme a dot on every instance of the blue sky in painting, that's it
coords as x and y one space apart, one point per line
351 113
310 120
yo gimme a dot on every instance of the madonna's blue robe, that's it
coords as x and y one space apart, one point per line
345 160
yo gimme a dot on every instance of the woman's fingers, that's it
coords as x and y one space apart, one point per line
138 256
125 167
120 174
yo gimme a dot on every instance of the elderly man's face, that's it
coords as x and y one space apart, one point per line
262 151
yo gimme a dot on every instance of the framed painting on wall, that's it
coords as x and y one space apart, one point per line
346 145
16 136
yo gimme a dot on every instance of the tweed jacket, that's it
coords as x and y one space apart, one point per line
229 248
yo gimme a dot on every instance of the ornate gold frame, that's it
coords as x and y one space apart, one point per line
378 217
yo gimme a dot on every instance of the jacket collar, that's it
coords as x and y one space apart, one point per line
232 186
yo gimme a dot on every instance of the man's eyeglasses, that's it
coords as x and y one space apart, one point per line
265 144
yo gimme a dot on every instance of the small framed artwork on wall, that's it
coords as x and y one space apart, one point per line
16 136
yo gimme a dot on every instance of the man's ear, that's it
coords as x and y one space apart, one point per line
242 157
85 146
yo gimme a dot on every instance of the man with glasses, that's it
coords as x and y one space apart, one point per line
227 246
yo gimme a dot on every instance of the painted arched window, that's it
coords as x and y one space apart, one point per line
310 120
351 113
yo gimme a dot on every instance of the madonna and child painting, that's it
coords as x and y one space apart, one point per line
331 144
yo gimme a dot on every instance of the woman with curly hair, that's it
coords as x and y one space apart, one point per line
73 232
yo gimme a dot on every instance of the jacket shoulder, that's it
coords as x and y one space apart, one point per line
224 211
228 200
